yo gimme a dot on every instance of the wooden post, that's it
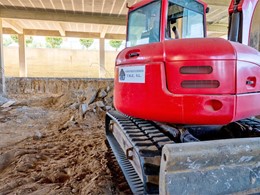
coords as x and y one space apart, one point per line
102 70
22 56
2 72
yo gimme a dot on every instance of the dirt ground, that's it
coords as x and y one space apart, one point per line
48 147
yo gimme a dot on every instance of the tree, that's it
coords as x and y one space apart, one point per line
7 41
53 42
115 43
86 42
14 38
28 40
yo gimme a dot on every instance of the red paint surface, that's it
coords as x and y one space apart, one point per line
162 97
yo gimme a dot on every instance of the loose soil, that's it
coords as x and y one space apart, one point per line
48 147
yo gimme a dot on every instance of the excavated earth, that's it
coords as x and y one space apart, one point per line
55 145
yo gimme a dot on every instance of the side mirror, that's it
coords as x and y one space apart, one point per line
207 10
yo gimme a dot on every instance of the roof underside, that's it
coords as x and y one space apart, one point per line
86 18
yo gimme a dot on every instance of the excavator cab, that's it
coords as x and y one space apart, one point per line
192 79
159 20
173 85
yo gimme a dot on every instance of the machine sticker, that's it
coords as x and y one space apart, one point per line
132 74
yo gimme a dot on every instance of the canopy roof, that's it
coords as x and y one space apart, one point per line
86 18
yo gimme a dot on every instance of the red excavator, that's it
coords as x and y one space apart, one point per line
185 103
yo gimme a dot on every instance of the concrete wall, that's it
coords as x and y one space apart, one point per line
53 85
42 62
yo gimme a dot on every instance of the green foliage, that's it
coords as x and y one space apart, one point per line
7 41
14 38
86 42
53 42
29 41
115 44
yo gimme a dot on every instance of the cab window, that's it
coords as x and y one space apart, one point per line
184 20
144 25
255 29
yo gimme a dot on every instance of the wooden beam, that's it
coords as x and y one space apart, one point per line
60 16
54 33
115 36
68 34
122 7
83 6
73 6
218 2
50 33
13 25
217 28
217 17
82 34
103 6
214 34
113 6
42 4
93 6
9 31
60 29
103 31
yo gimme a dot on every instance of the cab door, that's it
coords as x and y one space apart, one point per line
143 34
138 66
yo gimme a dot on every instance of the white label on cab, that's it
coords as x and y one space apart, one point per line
131 74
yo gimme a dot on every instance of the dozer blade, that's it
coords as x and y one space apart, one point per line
211 167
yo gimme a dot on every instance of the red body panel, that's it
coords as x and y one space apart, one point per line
248 65
227 89
153 101
161 97
188 52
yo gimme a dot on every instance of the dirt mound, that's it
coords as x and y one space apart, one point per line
51 147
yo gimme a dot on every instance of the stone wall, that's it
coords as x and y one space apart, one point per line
15 85
98 92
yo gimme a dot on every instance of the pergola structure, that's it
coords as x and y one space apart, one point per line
102 19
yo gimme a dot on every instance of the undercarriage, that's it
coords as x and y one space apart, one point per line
174 159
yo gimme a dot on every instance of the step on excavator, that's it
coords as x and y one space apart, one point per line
186 104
